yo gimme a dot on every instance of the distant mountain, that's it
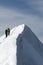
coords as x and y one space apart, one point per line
21 47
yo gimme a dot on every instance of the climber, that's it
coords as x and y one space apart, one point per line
7 32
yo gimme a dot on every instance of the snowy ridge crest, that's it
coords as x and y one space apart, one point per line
8 47
21 47
17 30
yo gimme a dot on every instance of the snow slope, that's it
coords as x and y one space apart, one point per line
8 47
21 47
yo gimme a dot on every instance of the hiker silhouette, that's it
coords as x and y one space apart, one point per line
7 32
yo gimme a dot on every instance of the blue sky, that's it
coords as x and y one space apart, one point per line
15 12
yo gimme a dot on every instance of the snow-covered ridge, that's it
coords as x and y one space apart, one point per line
21 47
8 47
15 32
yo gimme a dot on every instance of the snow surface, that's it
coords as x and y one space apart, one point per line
21 47
8 47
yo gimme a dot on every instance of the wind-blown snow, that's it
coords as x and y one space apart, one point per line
21 47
